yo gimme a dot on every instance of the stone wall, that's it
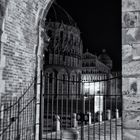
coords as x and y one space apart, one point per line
131 68
20 46
18 24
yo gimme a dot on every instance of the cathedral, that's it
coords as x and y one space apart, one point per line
63 58
94 72
65 64
70 74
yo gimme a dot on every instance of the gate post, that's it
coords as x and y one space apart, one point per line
100 116
82 122
108 114
74 120
57 123
117 113
89 118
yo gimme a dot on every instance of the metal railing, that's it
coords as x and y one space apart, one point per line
95 112
17 116
92 107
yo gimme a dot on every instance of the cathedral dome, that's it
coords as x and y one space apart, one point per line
104 58
65 44
59 14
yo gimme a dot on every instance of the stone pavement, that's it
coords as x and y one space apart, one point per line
108 130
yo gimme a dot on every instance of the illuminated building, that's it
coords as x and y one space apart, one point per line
95 71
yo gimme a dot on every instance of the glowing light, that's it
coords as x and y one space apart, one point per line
91 88
86 85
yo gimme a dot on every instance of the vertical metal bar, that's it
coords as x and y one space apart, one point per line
1 117
67 100
16 115
23 116
10 120
77 90
12 112
57 94
62 119
6 122
105 107
47 96
99 78
34 106
41 107
72 95
52 101
34 114
110 107
18 121
4 114
5 119
27 114
116 96
121 107
21 124
94 114
88 96
35 94
83 112
25 101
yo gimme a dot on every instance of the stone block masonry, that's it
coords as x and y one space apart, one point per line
131 68
18 36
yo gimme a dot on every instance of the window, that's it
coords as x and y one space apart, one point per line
61 37
50 78
64 78
73 78
71 39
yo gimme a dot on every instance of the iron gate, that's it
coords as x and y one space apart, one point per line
92 111
17 115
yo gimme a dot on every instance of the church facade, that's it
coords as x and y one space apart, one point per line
67 69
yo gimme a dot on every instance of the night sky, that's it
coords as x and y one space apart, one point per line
100 25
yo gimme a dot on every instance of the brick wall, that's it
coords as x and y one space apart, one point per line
18 43
19 36
131 68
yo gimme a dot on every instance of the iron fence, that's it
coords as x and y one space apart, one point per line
17 116
94 111
92 107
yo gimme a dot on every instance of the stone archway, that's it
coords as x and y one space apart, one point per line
21 47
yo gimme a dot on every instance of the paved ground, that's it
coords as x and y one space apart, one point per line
108 130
